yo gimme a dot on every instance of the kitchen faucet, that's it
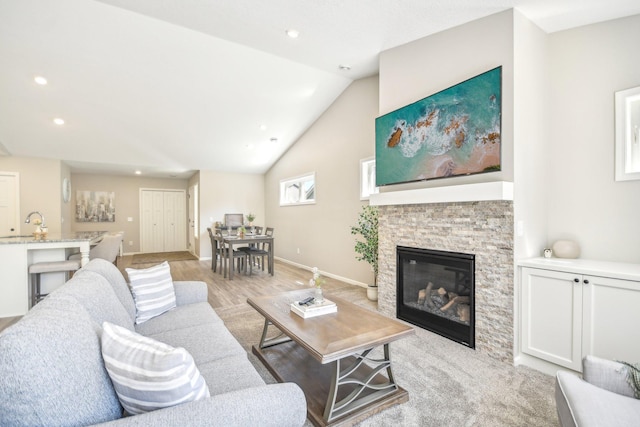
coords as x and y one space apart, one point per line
28 220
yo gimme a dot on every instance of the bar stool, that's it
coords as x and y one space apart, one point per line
36 269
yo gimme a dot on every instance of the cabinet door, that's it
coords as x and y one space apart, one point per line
611 318
551 316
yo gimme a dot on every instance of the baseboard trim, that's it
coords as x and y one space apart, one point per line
324 273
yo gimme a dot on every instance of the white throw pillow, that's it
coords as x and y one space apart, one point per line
148 374
152 290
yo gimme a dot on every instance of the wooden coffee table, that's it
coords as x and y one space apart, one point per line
333 357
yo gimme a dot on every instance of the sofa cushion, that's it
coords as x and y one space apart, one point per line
607 374
204 342
152 290
117 282
51 369
230 374
179 318
95 294
148 374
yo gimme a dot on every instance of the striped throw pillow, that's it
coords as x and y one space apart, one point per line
148 374
152 290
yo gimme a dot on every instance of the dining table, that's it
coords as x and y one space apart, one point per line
248 239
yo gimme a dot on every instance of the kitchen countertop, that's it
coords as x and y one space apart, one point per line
79 236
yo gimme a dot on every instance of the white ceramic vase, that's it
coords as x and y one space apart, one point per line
372 293
566 249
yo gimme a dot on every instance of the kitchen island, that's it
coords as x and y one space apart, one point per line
17 253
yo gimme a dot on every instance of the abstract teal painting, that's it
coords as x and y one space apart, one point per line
456 131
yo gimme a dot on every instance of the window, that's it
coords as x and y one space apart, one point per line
367 178
298 191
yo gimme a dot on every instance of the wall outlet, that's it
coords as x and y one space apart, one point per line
130 219
130 242
298 250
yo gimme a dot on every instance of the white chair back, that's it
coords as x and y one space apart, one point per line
108 248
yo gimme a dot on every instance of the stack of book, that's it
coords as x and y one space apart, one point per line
314 309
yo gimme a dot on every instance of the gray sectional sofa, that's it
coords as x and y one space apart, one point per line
52 372
603 396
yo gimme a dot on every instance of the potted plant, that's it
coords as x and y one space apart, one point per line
367 249
250 218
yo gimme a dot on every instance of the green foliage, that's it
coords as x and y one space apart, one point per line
367 228
250 217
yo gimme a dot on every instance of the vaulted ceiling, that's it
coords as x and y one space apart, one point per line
168 87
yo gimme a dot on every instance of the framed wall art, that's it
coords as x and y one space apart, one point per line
95 206
454 132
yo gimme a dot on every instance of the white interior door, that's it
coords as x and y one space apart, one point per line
9 206
192 220
152 221
163 220
175 223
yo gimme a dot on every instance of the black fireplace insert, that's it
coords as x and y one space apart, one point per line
435 290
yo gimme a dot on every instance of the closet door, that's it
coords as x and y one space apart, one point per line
152 221
174 221
163 221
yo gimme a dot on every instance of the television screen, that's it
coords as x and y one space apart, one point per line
456 131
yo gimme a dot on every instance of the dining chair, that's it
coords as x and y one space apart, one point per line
223 249
255 255
261 251
214 250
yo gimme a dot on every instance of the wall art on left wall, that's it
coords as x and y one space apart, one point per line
95 206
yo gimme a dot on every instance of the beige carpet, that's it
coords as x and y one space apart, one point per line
448 384
159 257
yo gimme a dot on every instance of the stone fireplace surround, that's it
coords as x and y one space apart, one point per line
484 228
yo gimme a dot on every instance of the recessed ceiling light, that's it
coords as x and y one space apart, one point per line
263 127
292 33
138 172
58 121
344 67
40 80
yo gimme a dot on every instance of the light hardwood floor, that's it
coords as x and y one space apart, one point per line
224 293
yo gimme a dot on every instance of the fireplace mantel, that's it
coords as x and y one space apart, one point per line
484 191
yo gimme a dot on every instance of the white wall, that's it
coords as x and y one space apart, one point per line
40 189
332 148
423 67
587 66
221 193
531 136
127 202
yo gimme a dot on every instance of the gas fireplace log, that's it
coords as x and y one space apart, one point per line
453 302
427 294
422 295
464 312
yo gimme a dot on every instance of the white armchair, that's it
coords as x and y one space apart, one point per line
603 397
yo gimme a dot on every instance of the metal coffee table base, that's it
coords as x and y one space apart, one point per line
357 388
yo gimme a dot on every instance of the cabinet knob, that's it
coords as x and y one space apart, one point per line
586 281
576 280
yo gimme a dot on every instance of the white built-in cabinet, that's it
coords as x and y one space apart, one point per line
163 220
573 308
